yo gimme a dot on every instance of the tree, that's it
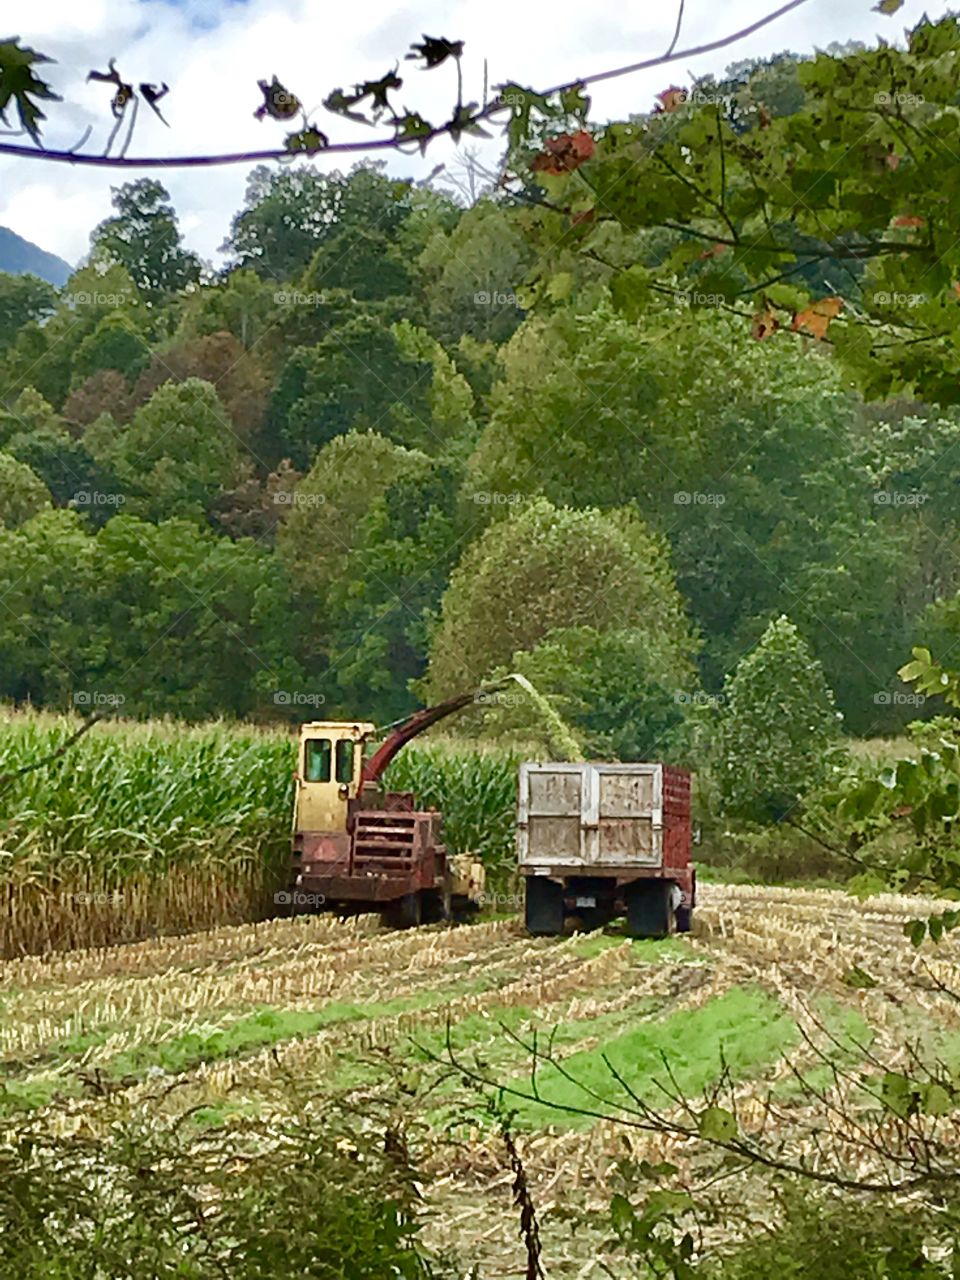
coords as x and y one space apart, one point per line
472 275
347 478
608 685
174 456
290 212
380 608
236 302
22 298
221 360
544 568
144 238
778 732
103 392
37 437
115 344
357 378
22 493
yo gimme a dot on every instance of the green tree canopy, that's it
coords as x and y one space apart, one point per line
144 238
547 567
778 731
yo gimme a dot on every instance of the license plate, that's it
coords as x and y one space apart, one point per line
585 902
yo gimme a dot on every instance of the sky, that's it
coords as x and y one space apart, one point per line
213 52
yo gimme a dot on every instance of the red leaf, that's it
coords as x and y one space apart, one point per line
564 154
670 100
765 324
816 318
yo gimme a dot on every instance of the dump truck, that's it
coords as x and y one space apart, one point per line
357 847
596 841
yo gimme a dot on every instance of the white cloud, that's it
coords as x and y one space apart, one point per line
212 52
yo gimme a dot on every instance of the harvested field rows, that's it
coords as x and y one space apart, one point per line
783 986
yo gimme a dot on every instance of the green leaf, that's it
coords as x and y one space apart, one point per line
859 978
916 931
716 1124
898 1094
17 81
936 1101
630 291
621 1213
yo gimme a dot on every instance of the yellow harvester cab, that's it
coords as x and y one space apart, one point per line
329 764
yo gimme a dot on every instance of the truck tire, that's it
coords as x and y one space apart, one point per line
543 906
404 913
649 911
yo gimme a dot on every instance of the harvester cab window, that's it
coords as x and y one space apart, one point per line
345 753
317 764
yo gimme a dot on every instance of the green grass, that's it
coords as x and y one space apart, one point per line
747 1027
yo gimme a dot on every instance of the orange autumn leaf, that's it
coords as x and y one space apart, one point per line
764 324
816 318
564 154
908 220
670 100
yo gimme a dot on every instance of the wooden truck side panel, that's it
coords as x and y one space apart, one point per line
625 821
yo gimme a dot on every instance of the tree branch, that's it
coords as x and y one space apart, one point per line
384 144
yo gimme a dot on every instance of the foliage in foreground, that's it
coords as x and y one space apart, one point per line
319 1195
816 1237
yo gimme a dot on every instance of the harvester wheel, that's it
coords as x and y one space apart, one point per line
405 912
649 908
543 906
436 908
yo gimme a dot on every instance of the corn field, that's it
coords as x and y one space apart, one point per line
780 1007
139 830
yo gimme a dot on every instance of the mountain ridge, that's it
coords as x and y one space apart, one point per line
19 256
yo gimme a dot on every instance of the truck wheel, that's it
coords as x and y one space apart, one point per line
543 906
648 908
404 913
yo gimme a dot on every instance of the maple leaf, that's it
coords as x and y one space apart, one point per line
764 324
124 94
278 102
816 318
411 127
888 7
464 121
17 81
670 100
152 95
564 154
310 140
435 50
